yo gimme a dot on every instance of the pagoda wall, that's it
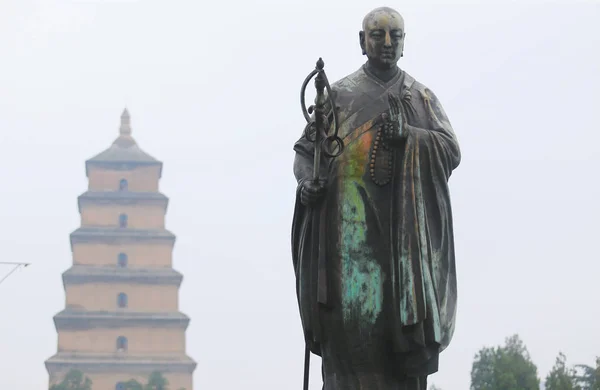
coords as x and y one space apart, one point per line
146 255
141 178
145 298
143 341
139 216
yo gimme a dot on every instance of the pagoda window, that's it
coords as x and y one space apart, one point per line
121 344
122 300
122 260
123 185
123 220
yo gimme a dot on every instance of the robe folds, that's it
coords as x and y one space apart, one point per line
383 232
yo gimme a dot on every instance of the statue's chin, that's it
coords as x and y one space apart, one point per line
384 64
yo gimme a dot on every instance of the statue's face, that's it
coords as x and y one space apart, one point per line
382 38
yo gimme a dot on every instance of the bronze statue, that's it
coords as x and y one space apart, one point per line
372 235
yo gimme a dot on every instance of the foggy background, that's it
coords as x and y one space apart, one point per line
213 92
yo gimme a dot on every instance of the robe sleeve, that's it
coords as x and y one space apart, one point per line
303 162
426 260
304 225
441 134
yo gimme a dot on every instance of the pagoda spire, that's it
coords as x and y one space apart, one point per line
125 128
124 139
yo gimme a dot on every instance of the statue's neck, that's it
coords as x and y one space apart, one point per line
384 75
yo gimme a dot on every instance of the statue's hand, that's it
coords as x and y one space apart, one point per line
312 192
394 121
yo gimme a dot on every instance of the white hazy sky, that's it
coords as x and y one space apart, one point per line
212 88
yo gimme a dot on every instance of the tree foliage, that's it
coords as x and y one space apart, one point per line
157 381
74 380
561 377
588 377
132 384
507 367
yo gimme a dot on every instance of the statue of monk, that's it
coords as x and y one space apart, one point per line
385 229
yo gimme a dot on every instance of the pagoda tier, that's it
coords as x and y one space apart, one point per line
113 235
121 319
123 198
83 274
75 320
124 364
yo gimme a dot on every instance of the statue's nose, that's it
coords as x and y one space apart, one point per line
388 40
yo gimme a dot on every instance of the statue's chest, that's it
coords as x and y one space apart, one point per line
366 159
353 163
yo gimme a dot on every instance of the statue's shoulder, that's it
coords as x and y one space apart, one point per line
416 87
350 83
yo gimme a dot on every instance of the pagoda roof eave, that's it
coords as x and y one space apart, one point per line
118 362
96 234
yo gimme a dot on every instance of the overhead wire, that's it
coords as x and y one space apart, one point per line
17 266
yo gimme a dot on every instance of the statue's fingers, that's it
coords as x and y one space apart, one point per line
303 196
390 98
313 190
392 103
391 110
390 114
397 104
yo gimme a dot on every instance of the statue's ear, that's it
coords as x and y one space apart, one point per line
361 38
402 45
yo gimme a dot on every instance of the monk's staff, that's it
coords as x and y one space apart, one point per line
330 145
317 132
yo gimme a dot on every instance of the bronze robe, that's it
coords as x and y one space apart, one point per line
385 233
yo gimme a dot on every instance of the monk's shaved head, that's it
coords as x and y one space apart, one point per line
375 17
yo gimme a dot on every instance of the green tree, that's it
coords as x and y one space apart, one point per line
588 377
561 377
157 381
507 367
132 384
74 380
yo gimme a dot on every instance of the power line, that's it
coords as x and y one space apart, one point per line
16 267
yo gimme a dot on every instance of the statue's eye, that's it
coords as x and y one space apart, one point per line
376 34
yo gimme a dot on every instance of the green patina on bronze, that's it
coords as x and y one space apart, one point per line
362 287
